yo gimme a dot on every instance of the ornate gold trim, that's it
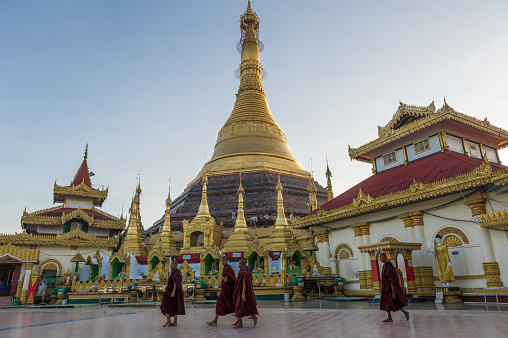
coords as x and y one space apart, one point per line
72 238
51 261
494 218
428 117
21 254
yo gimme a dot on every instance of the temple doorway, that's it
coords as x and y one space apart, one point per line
9 275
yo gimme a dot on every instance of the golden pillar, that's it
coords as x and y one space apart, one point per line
410 273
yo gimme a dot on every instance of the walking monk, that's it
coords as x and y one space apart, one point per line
172 300
243 296
392 296
225 302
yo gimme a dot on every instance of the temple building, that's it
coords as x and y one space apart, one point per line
437 180
57 243
252 143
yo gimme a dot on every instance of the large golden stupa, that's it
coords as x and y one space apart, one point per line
251 143
251 140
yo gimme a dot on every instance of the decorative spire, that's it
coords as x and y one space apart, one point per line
328 174
166 240
239 240
203 207
240 223
311 189
83 174
132 242
281 235
281 220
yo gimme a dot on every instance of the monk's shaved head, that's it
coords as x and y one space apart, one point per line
174 264
242 262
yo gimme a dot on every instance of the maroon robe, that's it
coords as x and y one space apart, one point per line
247 308
225 302
392 295
173 305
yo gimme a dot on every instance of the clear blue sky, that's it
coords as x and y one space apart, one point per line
148 84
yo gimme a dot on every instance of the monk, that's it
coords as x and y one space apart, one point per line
225 302
392 295
243 296
172 300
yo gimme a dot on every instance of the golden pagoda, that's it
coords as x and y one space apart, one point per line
281 235
239 240
166 240
251 140
132 241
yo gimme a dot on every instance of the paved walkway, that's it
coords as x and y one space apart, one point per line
277 319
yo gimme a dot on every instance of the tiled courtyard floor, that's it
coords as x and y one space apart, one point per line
277 319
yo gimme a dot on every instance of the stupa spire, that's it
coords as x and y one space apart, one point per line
251 139
239 239
281 235
203 207
240 223
312 190
132 241
328 174
281 220
166 240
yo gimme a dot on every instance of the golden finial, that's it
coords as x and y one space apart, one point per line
240 187
86 151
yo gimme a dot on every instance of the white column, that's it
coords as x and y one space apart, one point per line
420 238
361 259
486 245
319 256
26 281
410 237
326 253
366 241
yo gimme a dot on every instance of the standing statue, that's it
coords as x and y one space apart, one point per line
444 266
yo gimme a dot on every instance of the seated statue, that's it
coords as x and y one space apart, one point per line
275 271
42 287
260 265
215 267
315 272
292 263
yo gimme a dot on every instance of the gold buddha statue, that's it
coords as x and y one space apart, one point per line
444 265
259 266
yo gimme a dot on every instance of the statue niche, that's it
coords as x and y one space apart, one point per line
197 238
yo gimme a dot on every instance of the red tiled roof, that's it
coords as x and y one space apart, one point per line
59 212
426 170
82 175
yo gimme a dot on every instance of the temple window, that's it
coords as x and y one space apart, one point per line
422 146
473 151
390 158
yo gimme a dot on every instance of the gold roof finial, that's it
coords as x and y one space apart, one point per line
203 207
281 220
240 223
166 240
328 174
168 200
86 151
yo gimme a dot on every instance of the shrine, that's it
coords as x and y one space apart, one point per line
433 204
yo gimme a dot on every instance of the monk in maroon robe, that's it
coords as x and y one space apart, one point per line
225 302
243 296
172 300
392 295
